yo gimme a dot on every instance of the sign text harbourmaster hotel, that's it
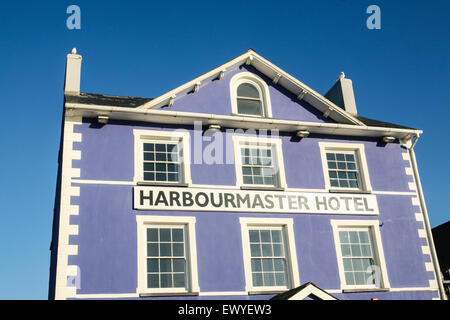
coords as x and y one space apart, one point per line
157 198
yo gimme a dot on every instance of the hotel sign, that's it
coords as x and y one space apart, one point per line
201 199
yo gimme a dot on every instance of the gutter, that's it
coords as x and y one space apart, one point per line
423 206
176 117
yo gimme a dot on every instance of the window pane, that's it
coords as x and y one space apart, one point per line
280 279
255 250
247 90
165 250
269 279
345 250
251 107
349 279
267 250
178 280
161 177
152 265
277 250
153 281
360 278
160 147
278 264
257 279
267 265
254 235
149 156
348 265
354 237
178 265
165 265
357 265
177 235
265 236
164 234
178 249
276 235
166 280
148 176
152 234
343 237
256 265
152 250
149 147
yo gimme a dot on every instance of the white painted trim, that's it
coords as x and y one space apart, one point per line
277 152
287 224
140 136
358 148
260 84
373 225
232 121
189 222
64 249
311 289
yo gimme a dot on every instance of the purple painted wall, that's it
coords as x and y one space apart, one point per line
214 97
107 243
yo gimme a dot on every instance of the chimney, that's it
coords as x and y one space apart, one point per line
342 94
73 73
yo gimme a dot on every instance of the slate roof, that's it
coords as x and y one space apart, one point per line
134 102
107 100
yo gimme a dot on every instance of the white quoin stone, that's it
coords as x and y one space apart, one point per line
73 73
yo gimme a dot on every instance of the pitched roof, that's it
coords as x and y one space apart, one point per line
107 100
307 289
279 76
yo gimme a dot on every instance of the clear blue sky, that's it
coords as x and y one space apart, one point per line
144 48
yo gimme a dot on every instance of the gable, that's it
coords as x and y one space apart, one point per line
215 97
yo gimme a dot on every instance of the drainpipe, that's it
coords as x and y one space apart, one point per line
425 219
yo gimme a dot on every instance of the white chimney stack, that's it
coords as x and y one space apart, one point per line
73 73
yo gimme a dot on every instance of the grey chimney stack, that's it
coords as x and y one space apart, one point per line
342 94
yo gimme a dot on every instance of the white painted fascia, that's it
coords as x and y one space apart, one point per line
270 70
233 121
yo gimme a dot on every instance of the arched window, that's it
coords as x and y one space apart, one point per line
249 95
249 99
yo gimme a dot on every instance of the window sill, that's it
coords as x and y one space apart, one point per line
267 292
165 184
262 188
167 294
365 290
331 190
248 115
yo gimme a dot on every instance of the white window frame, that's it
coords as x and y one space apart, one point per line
277 155
155 136
143 222
377 248
360 157
260 84
292 264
